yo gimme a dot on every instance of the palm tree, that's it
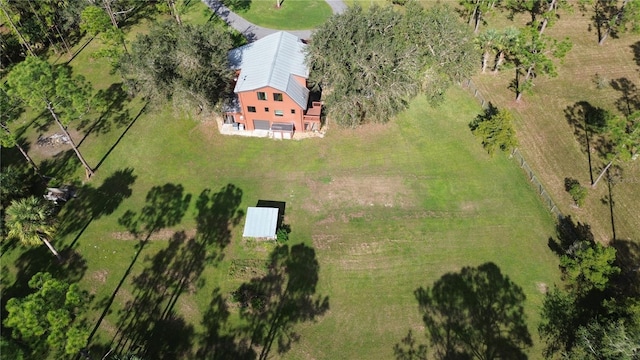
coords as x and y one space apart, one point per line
486 43
505 45
29 220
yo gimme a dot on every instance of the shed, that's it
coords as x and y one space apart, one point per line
261 222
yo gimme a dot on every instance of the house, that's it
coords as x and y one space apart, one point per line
270 87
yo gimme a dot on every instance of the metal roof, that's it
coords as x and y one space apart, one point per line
261 222
272 61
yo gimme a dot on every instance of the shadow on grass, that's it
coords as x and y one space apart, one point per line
587 121
93 203
165 207
629 100
271 305
149 325
569 233
628 260
477 312
636 53
409 349
121 136
114 113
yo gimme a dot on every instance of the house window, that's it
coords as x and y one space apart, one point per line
262 95
277 96
293 111
266 109
278 112
251 108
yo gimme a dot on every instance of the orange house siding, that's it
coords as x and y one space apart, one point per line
250 98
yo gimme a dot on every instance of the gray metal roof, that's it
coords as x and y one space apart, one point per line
261 222
272 61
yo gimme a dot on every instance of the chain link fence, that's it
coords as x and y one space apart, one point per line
517 155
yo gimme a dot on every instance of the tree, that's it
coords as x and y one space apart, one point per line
495 128
613 17
366 71
41 85
10 110
506 46
532 58
560 319
476 10
589 266
543 12
446 43
184 64
578 192
605 341
475 314
94 20
49 318
30 221
623 134
486 43
12 185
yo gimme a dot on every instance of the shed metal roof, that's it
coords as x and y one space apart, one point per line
272 61
261 222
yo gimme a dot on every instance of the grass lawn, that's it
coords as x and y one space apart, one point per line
553 147
292 14
385 209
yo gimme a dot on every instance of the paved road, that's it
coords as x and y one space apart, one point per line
254 32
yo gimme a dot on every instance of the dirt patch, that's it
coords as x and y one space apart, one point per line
164 234
542 287
387 191
52 142
188 308
98 278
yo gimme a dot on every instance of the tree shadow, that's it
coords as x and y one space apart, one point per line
92 203
133 121
143 322
165 207
408 349
271 305
630 99
636 52
112 101
219 340
61 167
587 121
628 260
569 233
477 312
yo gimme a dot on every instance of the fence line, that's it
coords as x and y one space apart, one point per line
517 155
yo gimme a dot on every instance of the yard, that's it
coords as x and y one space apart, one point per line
383 210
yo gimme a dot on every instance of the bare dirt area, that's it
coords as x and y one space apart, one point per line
164 234
358 191
49 144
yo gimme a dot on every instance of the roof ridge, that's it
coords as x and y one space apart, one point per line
275 57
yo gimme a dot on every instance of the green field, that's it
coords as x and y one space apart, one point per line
291 15
385 208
